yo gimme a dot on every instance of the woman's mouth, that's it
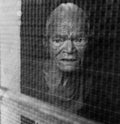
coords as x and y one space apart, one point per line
69 60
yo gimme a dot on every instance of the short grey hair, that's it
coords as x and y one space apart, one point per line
69 11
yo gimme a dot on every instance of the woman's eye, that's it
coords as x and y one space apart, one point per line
78 40
58 40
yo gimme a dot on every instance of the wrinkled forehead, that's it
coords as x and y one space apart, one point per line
66 18
67 28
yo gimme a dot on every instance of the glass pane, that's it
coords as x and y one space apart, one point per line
79 77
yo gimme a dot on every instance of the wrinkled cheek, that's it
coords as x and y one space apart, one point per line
81 54
53 52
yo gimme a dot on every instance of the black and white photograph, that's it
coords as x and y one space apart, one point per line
61 65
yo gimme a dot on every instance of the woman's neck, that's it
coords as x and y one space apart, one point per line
55 77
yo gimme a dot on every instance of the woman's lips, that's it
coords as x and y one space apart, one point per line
68 60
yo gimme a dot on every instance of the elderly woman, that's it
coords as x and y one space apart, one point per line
66 31
61 80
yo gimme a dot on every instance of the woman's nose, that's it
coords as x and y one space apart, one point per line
69 46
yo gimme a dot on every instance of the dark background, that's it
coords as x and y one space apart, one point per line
102 57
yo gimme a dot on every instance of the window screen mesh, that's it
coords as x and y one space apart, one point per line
25 120
99 76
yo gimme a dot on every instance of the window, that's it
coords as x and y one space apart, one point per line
100 69
68 55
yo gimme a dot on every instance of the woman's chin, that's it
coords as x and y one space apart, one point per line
68 68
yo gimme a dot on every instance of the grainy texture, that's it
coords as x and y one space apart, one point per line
102 58
101 64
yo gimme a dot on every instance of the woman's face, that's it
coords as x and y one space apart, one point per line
67 46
